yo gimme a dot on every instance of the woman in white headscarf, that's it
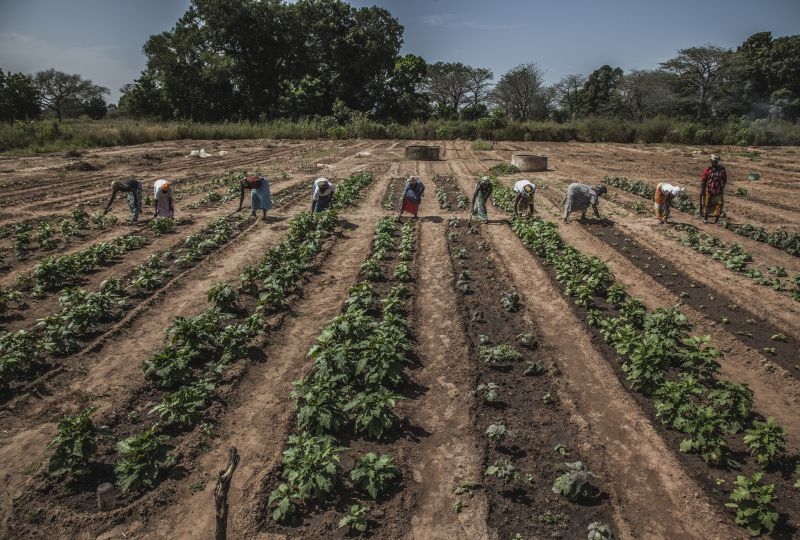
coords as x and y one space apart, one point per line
162 199
323 194
665 192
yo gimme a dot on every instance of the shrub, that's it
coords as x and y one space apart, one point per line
375 473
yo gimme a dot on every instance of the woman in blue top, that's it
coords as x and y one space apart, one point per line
412 195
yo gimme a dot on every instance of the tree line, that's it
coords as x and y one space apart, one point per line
246 60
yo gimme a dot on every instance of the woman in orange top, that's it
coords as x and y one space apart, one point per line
663 200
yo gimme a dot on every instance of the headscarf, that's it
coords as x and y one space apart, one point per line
485 180
714 158
676 190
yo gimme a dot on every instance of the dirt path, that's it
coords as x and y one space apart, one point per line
452 452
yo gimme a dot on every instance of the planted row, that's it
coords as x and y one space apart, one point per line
676 371
735 258
780 238
358 368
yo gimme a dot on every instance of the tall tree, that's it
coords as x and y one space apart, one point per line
697 73
63 93
567 93
645 94
478 91
19 98
448 84
521 93
600 93
401 99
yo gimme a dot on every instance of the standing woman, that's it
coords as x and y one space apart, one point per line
260 197
323 194
483 190
412 195
162 199
663 200
133 188
712 186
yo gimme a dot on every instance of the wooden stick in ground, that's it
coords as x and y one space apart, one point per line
221 493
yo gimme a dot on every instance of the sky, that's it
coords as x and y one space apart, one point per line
102 40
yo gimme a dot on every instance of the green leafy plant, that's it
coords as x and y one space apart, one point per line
535 368
510 301
184 407
224 297
283 501
375 473
162 225
503 470
75 444
600 531
140 460
498 432
766 441
575 483
488 392
752 501
309 466
528 341
356 518
373 411
502 355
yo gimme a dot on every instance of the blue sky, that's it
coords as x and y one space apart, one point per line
102 40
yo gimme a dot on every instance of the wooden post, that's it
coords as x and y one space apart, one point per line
221 493
106 498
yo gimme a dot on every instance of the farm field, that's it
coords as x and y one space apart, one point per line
472 368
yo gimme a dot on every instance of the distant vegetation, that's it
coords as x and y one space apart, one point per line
322 68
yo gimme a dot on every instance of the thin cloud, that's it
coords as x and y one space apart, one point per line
453 21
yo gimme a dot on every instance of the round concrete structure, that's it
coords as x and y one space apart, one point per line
529 162
422 153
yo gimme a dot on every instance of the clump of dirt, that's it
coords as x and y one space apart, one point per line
81 166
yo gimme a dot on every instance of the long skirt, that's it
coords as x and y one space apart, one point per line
323 203
662 212
163 207
410 206
479 207
135 203
714 205
261 199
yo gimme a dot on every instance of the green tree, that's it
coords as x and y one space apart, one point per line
19 98
478 92
645 94
567 95
521 93
697 73
600 94
66 94
402 99
448 84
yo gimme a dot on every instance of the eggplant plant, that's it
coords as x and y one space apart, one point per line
184 407
372 411
499 356
356 518
75 444
140 460
375 474
752 501
766 441
575 483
